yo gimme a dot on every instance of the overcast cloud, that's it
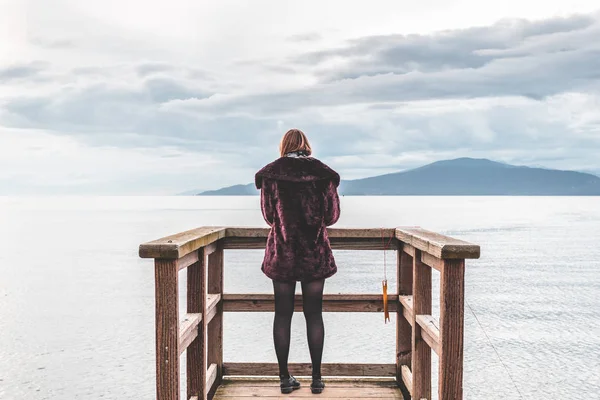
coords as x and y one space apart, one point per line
120 97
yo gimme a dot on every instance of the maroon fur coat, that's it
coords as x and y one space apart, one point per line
299 200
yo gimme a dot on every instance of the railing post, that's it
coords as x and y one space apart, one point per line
452 292
215 327
421 352
404 283
196 351
167 329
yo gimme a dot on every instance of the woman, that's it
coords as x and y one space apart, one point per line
299 200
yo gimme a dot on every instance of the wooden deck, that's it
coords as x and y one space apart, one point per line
243 389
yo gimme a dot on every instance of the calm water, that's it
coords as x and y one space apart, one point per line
77 316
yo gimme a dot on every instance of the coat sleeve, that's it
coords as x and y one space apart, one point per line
332 204
267 202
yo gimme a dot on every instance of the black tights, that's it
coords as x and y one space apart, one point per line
312 302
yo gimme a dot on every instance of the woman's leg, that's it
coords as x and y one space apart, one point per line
312 301
282 324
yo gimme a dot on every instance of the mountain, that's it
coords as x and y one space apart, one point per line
461 177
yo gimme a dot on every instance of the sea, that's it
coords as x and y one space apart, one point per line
77 304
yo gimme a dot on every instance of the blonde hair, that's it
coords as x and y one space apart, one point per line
294 140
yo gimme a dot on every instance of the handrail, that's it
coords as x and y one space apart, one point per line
200 252
435 244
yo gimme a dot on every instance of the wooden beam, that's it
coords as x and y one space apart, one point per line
404 283
196 351
365 233
211 378
432 261
187 260
451 330
438 245
430 331
408 249
167 329
304 369
407 308
188 330
181 244
421 352
407 378
212 306
337 243
331 302
215 327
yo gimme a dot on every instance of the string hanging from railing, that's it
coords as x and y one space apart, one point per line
386 313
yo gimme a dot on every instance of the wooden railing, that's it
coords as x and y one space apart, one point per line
200 332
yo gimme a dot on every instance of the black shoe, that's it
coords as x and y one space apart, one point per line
317 386
288 385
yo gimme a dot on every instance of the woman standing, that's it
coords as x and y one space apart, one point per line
299 200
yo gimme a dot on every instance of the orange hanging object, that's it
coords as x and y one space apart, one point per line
386 313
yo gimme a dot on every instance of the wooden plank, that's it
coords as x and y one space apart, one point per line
438 245
429 331
211 378
404 315
372 233
407 309
304 369
167 329
332 381
181 244
211 248
450 382
188 330
187 260
241 392
196 351
408 249
212 306
337 243
421 352
331 302
432 261
215 327
407 378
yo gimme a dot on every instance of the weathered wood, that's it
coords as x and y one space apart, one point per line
407 308
407 378
181 244
432 261
211 248
404 315
215 327
304 369
188 330
211 378
373 233
167 330
421 352
212 306
429 331
332 381
408 249
337 243
438 245
187 260
196 351
331 302
451 330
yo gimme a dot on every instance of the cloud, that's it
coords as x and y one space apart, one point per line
21 71
519 91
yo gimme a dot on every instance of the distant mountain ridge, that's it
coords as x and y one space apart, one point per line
460 177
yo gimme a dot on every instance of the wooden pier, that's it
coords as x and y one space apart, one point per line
199 333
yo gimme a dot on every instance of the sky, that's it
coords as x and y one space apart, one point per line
134 97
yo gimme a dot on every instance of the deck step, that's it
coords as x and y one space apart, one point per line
268 388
